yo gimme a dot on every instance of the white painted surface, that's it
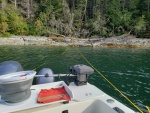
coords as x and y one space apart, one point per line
16 77
85 99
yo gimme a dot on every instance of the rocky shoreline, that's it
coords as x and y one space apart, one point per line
122 41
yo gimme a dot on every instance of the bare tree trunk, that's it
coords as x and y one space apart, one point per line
84 14
71 24
3 4
123 5
73 4
148 6
31 9
15 4
31 3
130 31
113 27
106 3
28 9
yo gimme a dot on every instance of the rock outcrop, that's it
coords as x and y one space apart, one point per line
61 41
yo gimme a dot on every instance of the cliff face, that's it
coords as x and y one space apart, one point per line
97 42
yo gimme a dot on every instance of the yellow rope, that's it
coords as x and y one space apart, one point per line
148 109
52 59
110 83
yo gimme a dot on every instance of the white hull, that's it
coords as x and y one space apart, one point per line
84 99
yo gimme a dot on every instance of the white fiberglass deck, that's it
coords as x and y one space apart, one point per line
84 99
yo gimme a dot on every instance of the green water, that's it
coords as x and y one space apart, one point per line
128 69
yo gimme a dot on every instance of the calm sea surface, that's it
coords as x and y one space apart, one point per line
128 69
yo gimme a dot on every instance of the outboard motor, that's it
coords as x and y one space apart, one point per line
10 67
46 79
82 72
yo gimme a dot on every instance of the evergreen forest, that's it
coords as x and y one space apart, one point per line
74 18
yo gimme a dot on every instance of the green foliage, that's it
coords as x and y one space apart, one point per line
17 25
38 27
77 18
3 23
12 22
3 16
3 27
99 25
140 24
6 34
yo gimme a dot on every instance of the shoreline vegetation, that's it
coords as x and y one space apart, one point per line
118 41
57 22
75 18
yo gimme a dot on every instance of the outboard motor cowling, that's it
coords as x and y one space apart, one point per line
82 72
43 80
10 67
